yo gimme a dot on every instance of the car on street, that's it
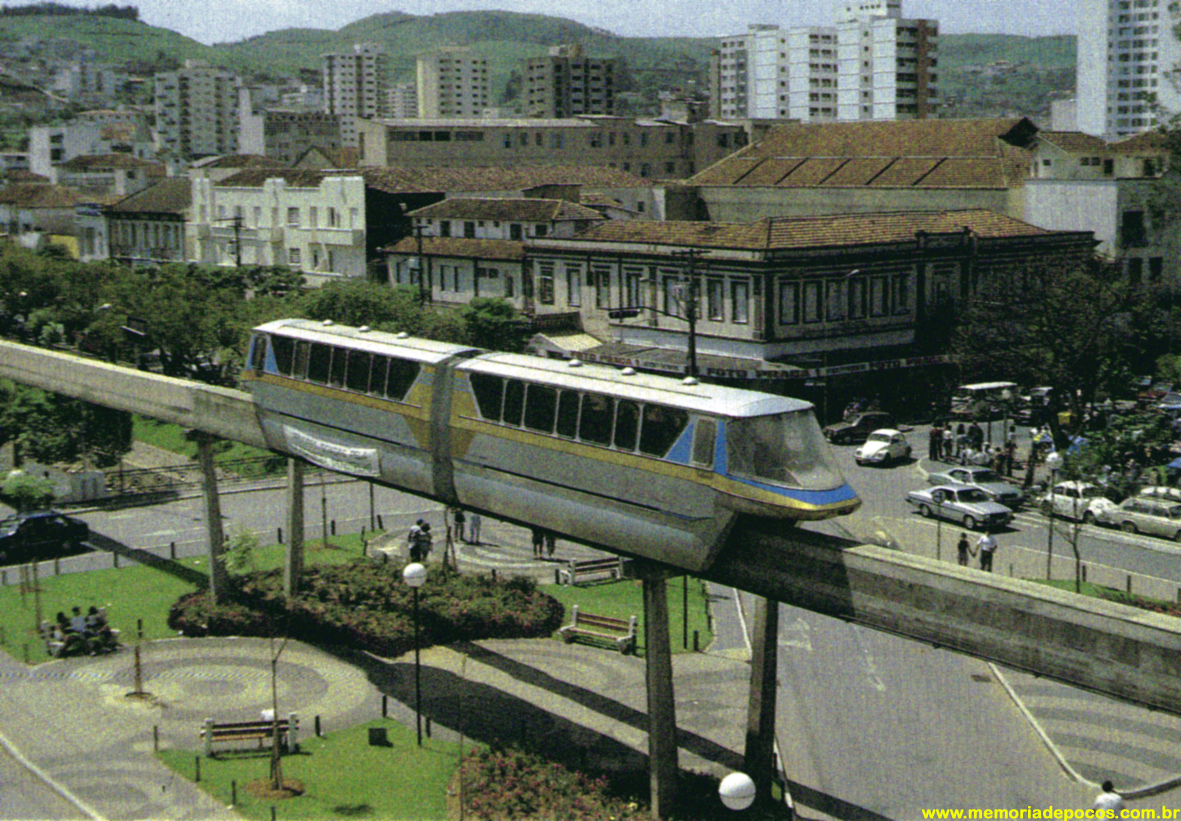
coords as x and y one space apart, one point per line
1075 500
858 427
883 446
45 534
1145 514
986 479
968 505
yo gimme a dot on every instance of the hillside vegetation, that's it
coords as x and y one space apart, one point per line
1045 65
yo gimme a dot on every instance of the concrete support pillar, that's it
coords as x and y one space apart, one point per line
662 714
293 563
218 576
760 715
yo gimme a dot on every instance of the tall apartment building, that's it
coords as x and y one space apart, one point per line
872 65
402 102
566 83
197 111
1127 51
355 86
453 82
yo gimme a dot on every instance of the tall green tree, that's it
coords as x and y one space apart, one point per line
56 429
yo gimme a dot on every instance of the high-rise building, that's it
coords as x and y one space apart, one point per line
872 65
1127 56
567 83
453 82
403 101
197 111
355 86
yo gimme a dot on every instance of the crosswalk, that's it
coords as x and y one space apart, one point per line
1100 738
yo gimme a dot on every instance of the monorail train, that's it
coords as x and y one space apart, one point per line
646 465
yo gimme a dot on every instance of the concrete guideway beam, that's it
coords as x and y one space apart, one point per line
1110 648
222 412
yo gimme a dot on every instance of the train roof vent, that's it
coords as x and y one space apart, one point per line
364 329
690 381
403 335
328 322
574 363
628 372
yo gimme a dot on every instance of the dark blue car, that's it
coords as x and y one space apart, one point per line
42 535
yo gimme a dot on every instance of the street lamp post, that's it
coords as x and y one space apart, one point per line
690 312
423 295
414 575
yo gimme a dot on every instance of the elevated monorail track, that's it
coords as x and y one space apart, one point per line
1102 646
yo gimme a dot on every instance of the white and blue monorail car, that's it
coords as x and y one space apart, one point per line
646 465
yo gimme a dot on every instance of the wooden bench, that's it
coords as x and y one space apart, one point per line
250 730
612 567
601 628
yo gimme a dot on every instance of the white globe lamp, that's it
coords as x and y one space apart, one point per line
737 791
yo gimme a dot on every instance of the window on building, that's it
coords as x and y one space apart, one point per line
901 294
574 286
545 284
469 230
634 297
293 217
293 257
789 303
715 299
740 301
1132 232
811 302
444 228
602 280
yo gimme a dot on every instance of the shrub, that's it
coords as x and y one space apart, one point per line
25 492
367 606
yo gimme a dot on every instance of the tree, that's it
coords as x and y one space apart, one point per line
25 492
1065 322
495 324
57 430
359 302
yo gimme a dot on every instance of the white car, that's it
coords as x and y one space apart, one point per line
1076 500
882 446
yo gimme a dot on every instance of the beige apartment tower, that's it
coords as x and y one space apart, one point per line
453 82
567 83
355 86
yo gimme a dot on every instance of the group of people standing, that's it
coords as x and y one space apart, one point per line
544 542
965 444
466 534
84 633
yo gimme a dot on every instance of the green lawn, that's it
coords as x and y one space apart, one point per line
172 438
624 599
130 593
343 777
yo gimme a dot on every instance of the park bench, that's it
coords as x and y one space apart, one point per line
601 628
570 574
259 730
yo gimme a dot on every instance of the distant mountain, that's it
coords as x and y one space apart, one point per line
980 75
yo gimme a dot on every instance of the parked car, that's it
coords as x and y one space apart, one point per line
1145 514
986 479
858 427
967 505
1075 500
42 535
882 446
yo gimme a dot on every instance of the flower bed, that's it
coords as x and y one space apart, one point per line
369 607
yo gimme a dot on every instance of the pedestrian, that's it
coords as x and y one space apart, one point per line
963 550
935 442
460 520
474 532
1109 801
986 545
538 541
976 435
551 542
961 439
422 544
1010 450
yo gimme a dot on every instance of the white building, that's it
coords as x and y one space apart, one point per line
1127 52
453 82
355 85
872 65
91 133
403 101
310 221
197 113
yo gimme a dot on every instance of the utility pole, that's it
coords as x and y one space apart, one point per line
236 222
423 295
690 304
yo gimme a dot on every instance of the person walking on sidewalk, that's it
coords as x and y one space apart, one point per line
474 533
538 541
460 521
963 550
986 545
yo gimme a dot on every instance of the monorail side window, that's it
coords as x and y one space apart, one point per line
284 349
627 424
568 414
303 353
489 393
258 354
514 401
401 378
340 358
357 376
662 428
705 435
540 408
320 363
377 374
598 414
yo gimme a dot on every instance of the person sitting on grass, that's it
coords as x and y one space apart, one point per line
72 642
100 636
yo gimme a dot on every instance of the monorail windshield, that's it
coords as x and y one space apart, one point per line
784 449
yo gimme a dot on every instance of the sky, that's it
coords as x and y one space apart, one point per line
220 21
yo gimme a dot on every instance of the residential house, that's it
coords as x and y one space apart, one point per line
91 133
32 213
149 226
108 174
